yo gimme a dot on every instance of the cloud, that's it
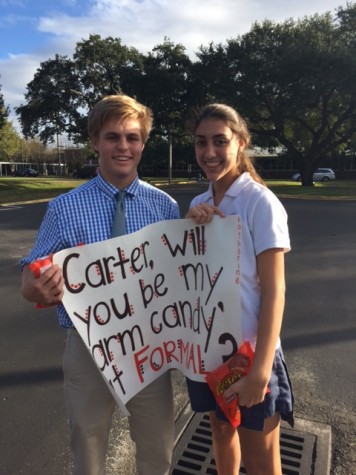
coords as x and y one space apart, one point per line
16 72
139 23
144 24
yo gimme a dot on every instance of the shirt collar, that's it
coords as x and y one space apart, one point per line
235 188
111 190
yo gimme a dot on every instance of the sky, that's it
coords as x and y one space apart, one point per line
33 31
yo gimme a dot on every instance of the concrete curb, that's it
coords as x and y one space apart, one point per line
322 461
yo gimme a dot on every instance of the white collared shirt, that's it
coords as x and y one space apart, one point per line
264 226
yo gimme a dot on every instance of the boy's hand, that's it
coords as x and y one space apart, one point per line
45 290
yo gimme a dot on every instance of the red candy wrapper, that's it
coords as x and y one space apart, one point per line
227 374
39 267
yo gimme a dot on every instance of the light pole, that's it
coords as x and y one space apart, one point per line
170 158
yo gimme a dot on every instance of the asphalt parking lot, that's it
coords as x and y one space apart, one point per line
318 337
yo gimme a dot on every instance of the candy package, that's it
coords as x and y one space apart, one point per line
225 375
39 267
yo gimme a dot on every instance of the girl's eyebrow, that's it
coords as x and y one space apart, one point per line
214 136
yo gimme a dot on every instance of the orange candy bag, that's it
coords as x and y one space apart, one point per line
39 267
225 375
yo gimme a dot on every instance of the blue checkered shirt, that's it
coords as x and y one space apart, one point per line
85 215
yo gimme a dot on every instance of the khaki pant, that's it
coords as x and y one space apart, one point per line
91 406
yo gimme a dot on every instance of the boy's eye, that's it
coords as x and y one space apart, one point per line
133 138
129 138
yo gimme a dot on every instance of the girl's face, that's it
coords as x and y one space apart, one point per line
216 149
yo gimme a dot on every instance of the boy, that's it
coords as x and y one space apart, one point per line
118 128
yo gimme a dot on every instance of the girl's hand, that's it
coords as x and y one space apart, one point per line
203 213
249 390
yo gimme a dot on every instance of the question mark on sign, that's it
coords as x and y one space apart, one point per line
223 339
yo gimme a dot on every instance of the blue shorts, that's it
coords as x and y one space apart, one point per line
279 399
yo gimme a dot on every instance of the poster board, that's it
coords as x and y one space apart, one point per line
164 297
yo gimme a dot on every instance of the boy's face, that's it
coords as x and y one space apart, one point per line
120 146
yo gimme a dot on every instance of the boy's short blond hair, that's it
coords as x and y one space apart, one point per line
119 107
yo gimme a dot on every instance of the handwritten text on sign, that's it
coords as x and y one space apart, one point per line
164 297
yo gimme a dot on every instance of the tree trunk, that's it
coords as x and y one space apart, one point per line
307 180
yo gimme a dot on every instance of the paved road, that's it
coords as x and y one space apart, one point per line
319 338
319 332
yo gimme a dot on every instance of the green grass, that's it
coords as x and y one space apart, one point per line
19 190
15 190
338 189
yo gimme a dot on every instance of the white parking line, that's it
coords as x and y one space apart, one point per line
9 208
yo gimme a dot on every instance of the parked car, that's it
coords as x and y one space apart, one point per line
25 172
320 174
87 171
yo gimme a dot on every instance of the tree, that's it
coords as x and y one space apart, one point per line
52 107
63 90
33 150
10 142
4 111
105 66
295 83
164 87
211 80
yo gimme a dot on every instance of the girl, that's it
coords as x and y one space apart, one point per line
221 140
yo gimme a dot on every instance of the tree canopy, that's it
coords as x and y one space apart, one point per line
10 142
293 81
164 86
4 111
53 106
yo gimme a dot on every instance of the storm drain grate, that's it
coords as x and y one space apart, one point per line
193 452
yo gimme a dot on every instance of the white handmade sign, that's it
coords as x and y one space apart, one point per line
164 297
